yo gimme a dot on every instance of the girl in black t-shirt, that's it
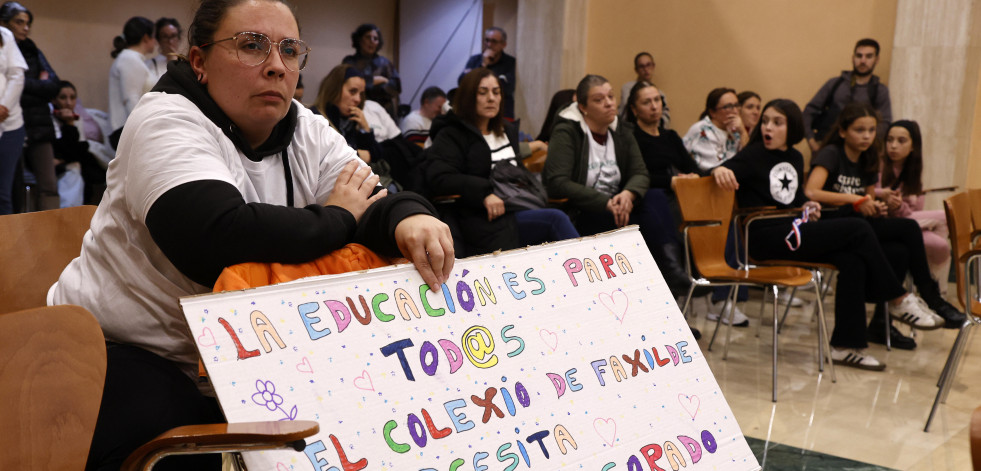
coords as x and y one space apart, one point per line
769 172
844 172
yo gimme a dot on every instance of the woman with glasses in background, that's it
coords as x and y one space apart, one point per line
223 168
129 77
720 132
168 34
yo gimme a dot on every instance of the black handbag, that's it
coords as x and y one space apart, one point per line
519 189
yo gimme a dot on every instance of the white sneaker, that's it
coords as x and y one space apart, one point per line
913 311
856 358
784 298
739 319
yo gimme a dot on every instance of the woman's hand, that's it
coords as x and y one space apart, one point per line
352 190
427 243
494 205
892 198
621 205
683 176
536 146
725 178
814 209
379 80
869 207
5 113
357 114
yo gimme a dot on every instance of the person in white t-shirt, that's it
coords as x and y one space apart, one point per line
12 67
222 168
129 77
415 125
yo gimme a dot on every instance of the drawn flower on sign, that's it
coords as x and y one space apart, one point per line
266 396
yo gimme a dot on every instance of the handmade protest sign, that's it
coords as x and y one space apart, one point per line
572 355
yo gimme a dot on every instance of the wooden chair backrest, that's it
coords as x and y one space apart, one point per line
974 201
34 249
958 209
52 371
701 199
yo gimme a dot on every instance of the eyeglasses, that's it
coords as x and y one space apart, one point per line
729 107
492 40
253 49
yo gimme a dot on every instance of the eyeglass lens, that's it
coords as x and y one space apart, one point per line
254 48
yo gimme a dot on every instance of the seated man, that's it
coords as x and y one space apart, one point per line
415 125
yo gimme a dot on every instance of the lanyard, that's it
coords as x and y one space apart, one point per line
795 231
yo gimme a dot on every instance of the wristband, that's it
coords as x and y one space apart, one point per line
858 203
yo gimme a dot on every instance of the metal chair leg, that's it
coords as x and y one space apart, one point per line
885 308
947 376
759 325
786 309
775 296
733 294
823 335
718 321
684 310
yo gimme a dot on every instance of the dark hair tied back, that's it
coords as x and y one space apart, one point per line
134 31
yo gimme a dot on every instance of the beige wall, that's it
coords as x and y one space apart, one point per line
76 36
778 48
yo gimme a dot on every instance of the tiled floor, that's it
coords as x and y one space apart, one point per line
870 417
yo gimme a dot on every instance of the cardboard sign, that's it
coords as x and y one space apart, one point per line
572 355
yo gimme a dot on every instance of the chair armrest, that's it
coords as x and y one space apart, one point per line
975 235
744 211
941 189
701 223
966 256
535 162
445 199
217 438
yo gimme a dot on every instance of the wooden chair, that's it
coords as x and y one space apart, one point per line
535 162
52 372
34 249
707 211
958 208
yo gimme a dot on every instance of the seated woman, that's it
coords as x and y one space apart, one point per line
768 172
711 141
341 100
844 172
72 146
720 132
667 161
900 187
383 82
749 110
468 143
238 173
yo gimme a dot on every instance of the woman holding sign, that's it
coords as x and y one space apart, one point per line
220 166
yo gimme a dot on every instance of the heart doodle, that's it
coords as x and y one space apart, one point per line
550 338
304 366
615 302
206 339
282 467
606 429
360 381
690 404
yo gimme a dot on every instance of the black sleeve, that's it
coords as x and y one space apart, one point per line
204 226
827 157
680 157
43 89
377 227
